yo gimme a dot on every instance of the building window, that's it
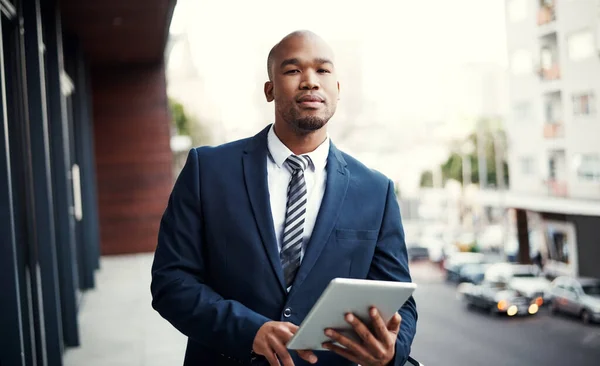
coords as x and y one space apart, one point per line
517 10
527 165
580 45
553 108
521 62
584 104
588 167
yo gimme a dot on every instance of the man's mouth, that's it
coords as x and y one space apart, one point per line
310 101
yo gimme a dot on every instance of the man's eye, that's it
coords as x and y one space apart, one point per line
292 71
324 71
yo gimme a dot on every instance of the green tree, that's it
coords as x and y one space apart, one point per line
452 168
181 121
427 179
186 125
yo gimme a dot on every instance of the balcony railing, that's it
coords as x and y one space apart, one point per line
546 14
550 73
554 130
557 188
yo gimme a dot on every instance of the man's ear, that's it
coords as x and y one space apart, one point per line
338 83
269 91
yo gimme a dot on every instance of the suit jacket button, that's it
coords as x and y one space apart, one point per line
287 312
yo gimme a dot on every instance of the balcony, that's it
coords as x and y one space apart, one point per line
546 14
549 73
557 188
554 130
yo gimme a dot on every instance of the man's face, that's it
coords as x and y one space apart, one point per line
304 85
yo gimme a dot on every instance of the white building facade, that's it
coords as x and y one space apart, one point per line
554 126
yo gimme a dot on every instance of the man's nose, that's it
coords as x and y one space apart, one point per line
309 81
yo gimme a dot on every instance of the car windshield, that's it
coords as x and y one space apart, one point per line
524 275
593 290
496 285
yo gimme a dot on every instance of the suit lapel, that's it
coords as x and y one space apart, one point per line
335 192
255 176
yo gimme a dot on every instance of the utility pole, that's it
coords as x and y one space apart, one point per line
499 156
481 158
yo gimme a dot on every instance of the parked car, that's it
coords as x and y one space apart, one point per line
473 272
578 296
528 279
455 262
435 247
497 297
417 252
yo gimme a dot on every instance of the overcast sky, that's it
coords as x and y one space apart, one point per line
403 56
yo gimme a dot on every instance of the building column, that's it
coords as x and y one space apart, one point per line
133 155
523 236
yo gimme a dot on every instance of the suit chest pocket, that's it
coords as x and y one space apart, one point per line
355 240
356 235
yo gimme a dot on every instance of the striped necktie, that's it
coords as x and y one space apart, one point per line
293 232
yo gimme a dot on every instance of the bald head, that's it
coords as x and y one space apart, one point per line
306 34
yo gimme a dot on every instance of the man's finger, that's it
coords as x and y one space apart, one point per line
284 334
272 358
381 330
307 355
394 323
292 327
373 344
342 352
282 352
347 342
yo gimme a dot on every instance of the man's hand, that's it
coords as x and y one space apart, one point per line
376 349
271 339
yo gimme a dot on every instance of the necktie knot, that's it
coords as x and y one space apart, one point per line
297 162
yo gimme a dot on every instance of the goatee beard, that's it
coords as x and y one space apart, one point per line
307 125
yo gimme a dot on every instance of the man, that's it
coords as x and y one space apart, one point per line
255 229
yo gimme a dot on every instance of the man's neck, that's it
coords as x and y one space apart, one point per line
300 143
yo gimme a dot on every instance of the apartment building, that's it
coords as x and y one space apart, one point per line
554 128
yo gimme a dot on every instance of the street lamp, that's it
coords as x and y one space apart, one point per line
466 150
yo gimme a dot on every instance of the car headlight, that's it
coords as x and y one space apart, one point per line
502 305
533 308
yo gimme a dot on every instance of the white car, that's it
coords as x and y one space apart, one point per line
527 279
577 296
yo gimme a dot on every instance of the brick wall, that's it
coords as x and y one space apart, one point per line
133 156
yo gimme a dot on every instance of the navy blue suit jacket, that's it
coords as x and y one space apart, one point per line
217 276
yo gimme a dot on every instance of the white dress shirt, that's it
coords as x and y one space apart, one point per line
279 178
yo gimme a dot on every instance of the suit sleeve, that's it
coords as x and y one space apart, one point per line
390 263
179 274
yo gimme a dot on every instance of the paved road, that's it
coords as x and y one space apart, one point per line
448 334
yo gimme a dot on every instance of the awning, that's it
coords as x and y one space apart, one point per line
119 32
531 202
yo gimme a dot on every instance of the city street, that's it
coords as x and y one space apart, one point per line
449 334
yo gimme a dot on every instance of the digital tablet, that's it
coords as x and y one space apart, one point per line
344 295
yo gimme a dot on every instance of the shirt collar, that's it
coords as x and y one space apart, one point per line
279 152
